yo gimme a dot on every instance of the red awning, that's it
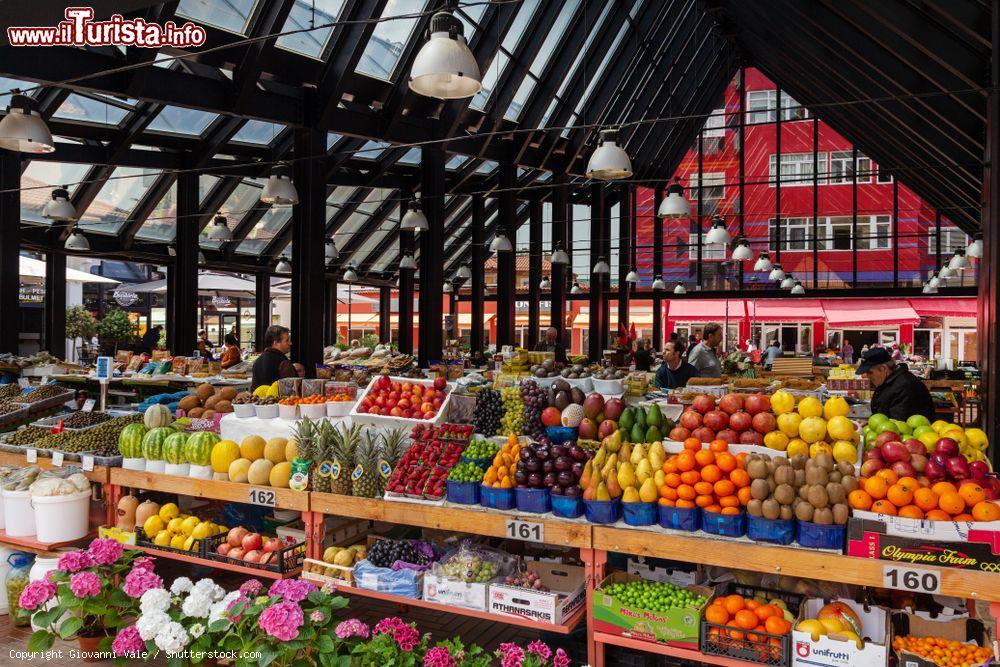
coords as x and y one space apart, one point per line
785 310
703 310
945 307
868 313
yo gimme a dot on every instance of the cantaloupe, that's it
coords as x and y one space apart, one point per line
205 391
291 449
189 403
280 474
260 472
252 447
224 453
227 393
274 450
239 470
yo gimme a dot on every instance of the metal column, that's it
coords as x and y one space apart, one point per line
262 308
330 311
506 261
625 215
10 251
657 268
535 253
55 303
477 336
182 322
429 344
405 296
597 296
308 248
384 315
560 273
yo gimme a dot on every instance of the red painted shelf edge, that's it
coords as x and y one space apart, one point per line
251 571
664 649
28 542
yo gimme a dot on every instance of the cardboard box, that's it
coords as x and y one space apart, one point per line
454 593
880 540
677 627
839 650
651 569
567 592
943 626
929 531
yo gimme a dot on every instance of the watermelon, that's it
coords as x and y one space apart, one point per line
198 448
130 441
173 447
152 443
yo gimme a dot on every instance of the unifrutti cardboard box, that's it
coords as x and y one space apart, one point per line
840 650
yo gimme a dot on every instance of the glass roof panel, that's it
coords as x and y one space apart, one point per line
374 200
161 225
181 120
372 150
307 14
370 244
7 85
411 156
235 208
335 202
257 132
386 45
89 110
511 40
118 196
456 161
541 60
38 181
268 227
474 12
486 167
331 139
231 15
205 184
385 260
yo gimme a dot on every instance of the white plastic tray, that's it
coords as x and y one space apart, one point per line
386 420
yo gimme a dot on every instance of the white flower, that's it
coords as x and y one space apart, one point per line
218 610
209 588
180 585
154 600
196 630
172 638
149 625
197 605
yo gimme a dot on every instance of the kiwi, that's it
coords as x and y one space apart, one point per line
825 461
823 516
799 461
845 468
784 494
755 507
835 492
800 477
759 489
770 467
835 477
818 496
849 484
786 513
771 484
780 461
804 492
784 474
804 512
771 509
840 514
757 469
816 475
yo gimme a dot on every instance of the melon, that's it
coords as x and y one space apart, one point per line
260 472
291 449
157 415
152 443
239 470
252 447
224 452
572 415
199 446
173 448
280 474
274 450
130 441
205 391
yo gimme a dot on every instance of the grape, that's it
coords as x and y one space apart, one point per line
489 410
513 418
535 400
529 579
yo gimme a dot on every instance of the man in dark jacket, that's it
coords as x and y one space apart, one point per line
898 393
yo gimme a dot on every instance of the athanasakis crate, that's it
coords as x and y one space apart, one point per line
567 592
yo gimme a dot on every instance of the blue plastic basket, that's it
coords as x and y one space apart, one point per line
561 434
730 525
774 531
818 536
465 493
680 518
482 463
532 500
639 514
567 507
496 498
602 511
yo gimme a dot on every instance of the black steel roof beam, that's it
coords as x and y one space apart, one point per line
395 105
134 55
270 18
969 18
94 154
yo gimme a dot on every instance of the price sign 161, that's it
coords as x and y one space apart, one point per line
913 579
529 531
263 497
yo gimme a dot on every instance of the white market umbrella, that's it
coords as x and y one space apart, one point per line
34 271
211 283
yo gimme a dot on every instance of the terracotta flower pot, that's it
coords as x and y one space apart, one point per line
88 646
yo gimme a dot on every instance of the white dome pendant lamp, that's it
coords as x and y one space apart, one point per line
445 66
23 128
609 161
279 189
674 205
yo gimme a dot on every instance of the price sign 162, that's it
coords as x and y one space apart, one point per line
264 497
529 531
913 579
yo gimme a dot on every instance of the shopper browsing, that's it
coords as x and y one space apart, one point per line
674 372
232 355
847 352
898 393
273 363
552 344
703 356
643 356
773 352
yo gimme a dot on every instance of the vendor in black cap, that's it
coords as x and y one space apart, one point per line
898 393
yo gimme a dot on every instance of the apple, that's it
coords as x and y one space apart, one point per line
740 421
613 408
870 467
946 446
703 403
251 556
236 552
236 535
764 422
252 541
894 451
223 548
886 436
914 446
757 403
272 544
716 420
440 383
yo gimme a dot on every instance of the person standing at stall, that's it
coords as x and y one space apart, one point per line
232 355
899 394
704 357
643 356
674 372
273 363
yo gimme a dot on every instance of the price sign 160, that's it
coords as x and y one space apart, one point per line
529 531
913 579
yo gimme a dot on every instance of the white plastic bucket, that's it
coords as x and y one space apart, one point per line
313 410
2 521
200 472
288 411
61 518
339 408
244 410
39 570
155 466
179 469
269 411
134 464
19 517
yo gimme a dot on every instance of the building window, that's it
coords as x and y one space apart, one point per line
792 110
881 232
796 169
838 233
713 186
882 176
952 239
841 170
715 125
761 106
795 233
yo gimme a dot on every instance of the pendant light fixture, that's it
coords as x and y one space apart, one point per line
933 280
680 289
559 256
331 251
632 277
763 263
76 241
203 260
609 161
219 231
23 128
283 265
350 275
788 282
718 233
445 67
59 208
576 289
414 219
946 272
546 284
798 288
501 243
958 261
659 285
975 248
463 273
742 251
448 289
674 205
776 273
172 251
601 268
279 189
408 263
929 288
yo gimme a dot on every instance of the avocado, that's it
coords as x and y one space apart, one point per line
640 418
637 434
653 434
626 420
561 400
653 416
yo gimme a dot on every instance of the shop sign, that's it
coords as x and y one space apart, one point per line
32 294
221 301
125 297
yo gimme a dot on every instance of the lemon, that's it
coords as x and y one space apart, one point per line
956 434
162 538
782 402
844 450
776 440
202 530
836 406
812 429
788 424
177 542
174 525
188 544
169 511
810 407
929 439
977 438
939 425
190 524
818 448
797 446
840 428
152 526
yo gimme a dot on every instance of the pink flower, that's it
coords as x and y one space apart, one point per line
128 641
36 594
387 625
143 563
105 551
352 627
292 590
235 618
85 584
282 621
560 659
439 656
74 561
138 581
540 648
512 655
251 587
407 637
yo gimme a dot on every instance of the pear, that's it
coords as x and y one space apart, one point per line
599 458
588 471
613 487
625 453
614 441
648 492
590 493
638 454
659 478
602 492
611 465
630 495
657 447
643 470
626 476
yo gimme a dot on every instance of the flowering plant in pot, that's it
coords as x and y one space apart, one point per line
89 596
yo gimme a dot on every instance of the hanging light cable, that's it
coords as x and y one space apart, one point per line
59 208
279 189
674 205
445 67
23 128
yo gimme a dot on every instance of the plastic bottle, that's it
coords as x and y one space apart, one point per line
15 581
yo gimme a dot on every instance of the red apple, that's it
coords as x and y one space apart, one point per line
690 419
252 541
757 403
730 403
236 535
751 438
251 556
886 436
870 467
703 403
440 383
914 446
437 402
740 421
716 420
764 422
703 433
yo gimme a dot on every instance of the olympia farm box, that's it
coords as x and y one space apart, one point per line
963 629
676 626
567 592
839 650
958 544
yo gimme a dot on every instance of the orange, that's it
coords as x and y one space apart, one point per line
972 493
685 461
740 478
752 604
909 483
776 625
736 635
876 487
724 488
714 509
884 507
952 503
673 480
704 457
744 495
731 511
711 473
742 459
670 465
692 444
703 488
860 500
726 462
729 501
668 493
666 502
765 611
937 515
704 501
964 516
911 512
686 492
986 511
888 475
735 603
716 613
685 504
899 495
718 446
942 488
925 499
691 477
745 619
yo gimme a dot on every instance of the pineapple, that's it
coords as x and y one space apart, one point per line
365 478
394 445
324 436
305 446
343 443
